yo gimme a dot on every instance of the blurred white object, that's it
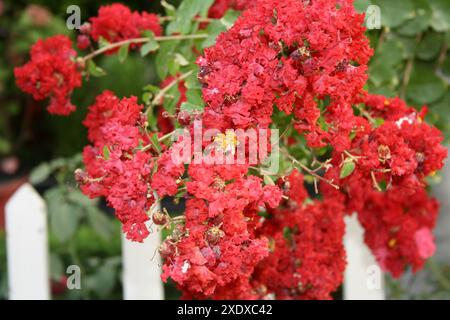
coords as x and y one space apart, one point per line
27 246
142 269
364 279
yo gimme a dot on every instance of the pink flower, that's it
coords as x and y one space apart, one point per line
425 242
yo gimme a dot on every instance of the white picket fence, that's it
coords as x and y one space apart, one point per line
28 257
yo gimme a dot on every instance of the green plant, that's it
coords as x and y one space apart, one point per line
411 54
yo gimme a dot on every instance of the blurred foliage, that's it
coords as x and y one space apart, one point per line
27 131
432 283
82 233
3 269
411 58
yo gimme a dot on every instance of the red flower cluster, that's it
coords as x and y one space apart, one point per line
51 73
116 22
387 188
220 7
115 167
260 62
398 228
307 258
242 236
289 54
218 250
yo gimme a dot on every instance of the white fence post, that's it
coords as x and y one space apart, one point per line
364 279
142 269
27 246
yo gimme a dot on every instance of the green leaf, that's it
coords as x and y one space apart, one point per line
100 223
64 217
171 99
168 8
395 13
192 82
76 197
152 88
173 66
194 96
287 234
347 169
230 18
56 267
40 173
379 122
155 142
268 181
387 58
189 107
123 52
425 87
361 5
164 55
430 46
106 152
102 42
188 9
150 46
421 21
104 279
181 60
147 98
214 29
441 15
94 70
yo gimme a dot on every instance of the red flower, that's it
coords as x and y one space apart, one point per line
116 22
307 258
51 73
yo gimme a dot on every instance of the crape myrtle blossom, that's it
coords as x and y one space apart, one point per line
243 76
51 73
248 233
116 22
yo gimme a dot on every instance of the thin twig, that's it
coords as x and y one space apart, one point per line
408 70
196 19
119 44
308 170
158 98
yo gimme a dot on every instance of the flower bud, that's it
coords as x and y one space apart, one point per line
85 28
213 235
184 118
81 177
167 250
160 218
178 233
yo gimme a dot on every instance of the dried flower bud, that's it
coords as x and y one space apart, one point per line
178 233
160 218
384 153
85 28
81 177
167 250
213 235
184 118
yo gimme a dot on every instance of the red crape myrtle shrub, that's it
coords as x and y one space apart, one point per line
246 234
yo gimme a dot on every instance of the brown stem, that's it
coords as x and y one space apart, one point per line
196 19
308 170
119 44
408 71
158 98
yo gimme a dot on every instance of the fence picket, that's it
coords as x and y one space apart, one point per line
363 278
27 246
